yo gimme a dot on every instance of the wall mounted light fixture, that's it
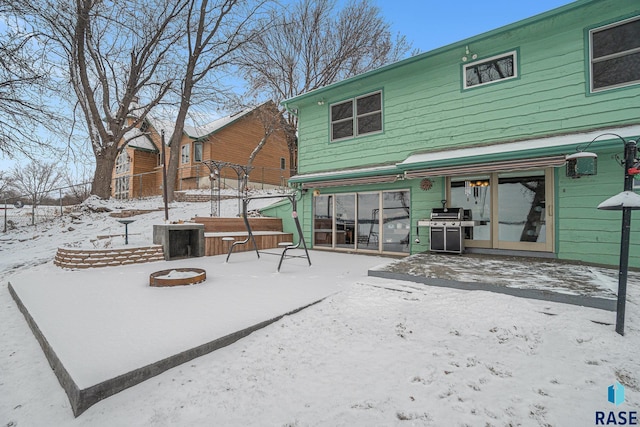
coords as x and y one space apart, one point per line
468 54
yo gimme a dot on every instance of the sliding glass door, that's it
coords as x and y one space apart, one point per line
512 210
369 222
523 217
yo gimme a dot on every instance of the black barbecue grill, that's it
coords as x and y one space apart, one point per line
446 229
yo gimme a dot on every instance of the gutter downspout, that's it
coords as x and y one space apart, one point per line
293 112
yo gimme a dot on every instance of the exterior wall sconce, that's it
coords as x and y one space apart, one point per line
316 192
626 201
468 54
582 163
321 102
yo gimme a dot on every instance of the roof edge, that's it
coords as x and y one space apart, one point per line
461 43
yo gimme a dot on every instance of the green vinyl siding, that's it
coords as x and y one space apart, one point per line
424 107
586 233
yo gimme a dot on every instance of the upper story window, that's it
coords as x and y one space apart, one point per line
197 151
185 154
490 70
356 116
122 163
615 54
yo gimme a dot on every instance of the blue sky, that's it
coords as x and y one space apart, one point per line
430 24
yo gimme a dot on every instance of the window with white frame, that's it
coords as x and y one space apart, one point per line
185 154
122 187
615 54
122 163
491 70
197 151
356 116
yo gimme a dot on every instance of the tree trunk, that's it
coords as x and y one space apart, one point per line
176 138
174 161
105 162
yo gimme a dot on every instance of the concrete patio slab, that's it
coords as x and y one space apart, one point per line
536 278
104 330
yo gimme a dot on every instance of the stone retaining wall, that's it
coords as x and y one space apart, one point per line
91 258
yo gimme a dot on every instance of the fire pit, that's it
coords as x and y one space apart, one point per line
177 277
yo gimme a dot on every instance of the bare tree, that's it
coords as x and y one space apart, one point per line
23 79
77 183
311 45
215 30
35 180
114 53
5 183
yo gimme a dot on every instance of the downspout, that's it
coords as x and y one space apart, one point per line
294 112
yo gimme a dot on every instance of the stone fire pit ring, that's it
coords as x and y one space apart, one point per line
177 277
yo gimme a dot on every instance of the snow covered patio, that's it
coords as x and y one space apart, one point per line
535 278
106 329
375 351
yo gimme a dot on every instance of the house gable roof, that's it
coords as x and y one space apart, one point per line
199 132
135 138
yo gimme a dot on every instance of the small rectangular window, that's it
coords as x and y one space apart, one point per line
197 152
185 154
490 70
355 117
342 120
615 55
283 164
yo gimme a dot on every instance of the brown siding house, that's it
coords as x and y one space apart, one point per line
232 139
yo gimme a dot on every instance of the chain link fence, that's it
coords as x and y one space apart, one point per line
197 177
19 211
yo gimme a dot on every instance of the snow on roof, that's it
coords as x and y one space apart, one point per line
136 139
216 125
195 132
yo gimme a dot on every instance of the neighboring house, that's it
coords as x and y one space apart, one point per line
483 124
231 139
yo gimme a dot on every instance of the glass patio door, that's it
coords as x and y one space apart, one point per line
369 222
524 214
513 210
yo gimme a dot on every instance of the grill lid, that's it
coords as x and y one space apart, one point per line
447 213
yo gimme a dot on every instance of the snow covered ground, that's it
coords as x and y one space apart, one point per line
378 352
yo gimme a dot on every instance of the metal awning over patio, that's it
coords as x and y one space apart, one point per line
525 154
521 155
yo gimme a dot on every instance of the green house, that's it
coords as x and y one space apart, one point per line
483 125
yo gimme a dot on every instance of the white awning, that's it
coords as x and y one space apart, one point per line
472 169
568 142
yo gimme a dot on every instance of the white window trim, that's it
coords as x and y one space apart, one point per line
516 70
122 163
604 58
122 187
185 154
354 117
